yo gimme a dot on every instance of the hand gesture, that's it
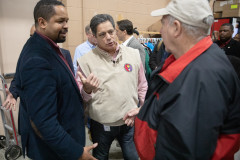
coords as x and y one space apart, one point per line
86 155
130 116
90 83
10 102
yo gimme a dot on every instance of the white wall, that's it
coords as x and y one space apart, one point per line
16 19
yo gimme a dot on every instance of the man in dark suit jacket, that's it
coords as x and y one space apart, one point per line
12 95
51 112
67 56
124 29
226 42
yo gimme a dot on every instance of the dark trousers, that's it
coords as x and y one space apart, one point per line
105 136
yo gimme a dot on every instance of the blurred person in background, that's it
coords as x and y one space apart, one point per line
226 42
84 47
124 31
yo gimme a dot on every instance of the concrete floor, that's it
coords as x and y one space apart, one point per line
115 152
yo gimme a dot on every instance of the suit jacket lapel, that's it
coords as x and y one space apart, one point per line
66 68
55 54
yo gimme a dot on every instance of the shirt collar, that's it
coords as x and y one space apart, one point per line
90 44
223 44
126 42
107 55
51 42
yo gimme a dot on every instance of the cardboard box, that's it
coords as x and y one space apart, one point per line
217 15
218 5
231 10
233 1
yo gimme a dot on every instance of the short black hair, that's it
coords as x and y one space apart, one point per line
228 24
98 19
125 25
45 9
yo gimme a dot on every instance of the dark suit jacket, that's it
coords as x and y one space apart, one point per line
236 64
134 43
51 113
66 55
232 48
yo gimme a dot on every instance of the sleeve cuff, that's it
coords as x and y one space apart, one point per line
86 96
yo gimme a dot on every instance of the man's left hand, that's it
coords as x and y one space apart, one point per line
10 102
130 116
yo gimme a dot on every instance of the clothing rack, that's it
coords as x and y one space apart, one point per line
146 40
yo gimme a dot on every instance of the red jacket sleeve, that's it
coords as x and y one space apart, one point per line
227 146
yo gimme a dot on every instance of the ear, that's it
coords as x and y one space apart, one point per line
42 23
177 28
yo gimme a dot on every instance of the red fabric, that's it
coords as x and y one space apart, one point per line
145 147
227 146
224 43
172 67
157 95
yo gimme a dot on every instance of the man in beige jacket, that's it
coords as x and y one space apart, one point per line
114 82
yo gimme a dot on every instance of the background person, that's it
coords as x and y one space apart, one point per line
237 37
158 55
226 42
124 30
84 47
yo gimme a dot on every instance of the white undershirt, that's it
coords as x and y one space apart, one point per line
126 42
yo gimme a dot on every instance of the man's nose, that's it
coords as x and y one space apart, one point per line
108 36
65 25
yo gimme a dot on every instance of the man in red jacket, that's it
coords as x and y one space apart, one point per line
191 111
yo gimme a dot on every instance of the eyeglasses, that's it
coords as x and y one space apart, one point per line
104 34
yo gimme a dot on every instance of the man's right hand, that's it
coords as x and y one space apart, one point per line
86 155
90 83
10 102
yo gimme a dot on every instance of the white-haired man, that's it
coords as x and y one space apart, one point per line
191 111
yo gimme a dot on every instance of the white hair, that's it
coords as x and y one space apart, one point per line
194 31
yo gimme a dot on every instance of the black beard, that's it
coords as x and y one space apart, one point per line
60 40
